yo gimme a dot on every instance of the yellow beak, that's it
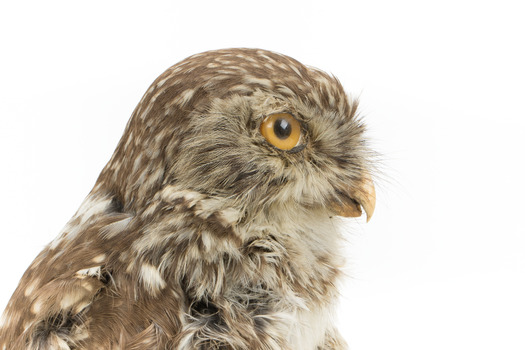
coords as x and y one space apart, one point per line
363 195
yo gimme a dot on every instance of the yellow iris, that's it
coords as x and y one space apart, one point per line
281 130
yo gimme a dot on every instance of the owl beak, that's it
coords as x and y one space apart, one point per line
364 195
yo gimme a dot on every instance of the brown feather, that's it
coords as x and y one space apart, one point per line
198 233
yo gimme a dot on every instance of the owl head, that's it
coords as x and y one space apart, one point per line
256 129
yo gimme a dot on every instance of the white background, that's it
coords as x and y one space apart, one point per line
442 263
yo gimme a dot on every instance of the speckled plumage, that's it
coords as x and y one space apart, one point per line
199 234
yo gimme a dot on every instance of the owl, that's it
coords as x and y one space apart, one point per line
214 225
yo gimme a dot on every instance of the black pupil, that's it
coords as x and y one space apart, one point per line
282 129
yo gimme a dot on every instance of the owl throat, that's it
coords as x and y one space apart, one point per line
268 270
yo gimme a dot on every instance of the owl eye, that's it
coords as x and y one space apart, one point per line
281 130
